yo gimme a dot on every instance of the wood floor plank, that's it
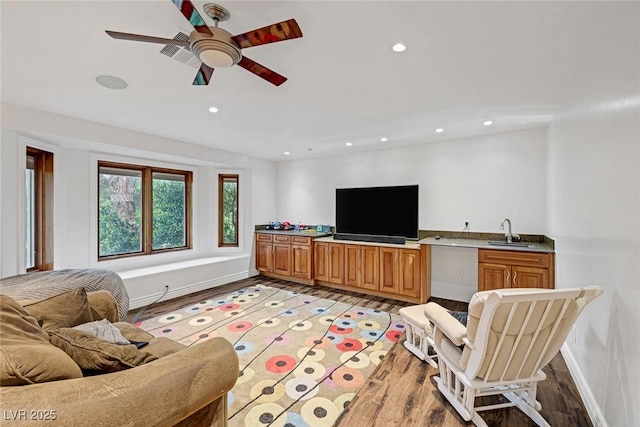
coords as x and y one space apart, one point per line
402 391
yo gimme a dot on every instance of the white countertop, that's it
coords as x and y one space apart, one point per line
484 244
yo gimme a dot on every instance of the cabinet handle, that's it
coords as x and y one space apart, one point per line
508 277
515 276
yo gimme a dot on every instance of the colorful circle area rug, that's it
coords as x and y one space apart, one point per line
302 358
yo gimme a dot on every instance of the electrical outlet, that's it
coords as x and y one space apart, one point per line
166 288
460 273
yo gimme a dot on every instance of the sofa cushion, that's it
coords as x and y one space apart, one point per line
158 346
62 311
133 333
26 355
103 306
94 354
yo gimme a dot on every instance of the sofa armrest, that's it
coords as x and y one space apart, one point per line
445 322
160 393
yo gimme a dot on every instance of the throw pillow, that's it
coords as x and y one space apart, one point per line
62 311
94 354
26 355
103 305
103 329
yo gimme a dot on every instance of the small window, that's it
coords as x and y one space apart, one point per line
38 210
142 210
227 210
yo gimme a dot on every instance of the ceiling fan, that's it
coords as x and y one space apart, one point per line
217 48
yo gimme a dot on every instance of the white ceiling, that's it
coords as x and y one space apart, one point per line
512 62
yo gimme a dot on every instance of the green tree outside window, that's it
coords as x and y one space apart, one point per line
228 210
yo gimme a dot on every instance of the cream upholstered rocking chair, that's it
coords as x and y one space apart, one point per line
511 335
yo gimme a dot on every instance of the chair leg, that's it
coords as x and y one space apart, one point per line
454 391
529 405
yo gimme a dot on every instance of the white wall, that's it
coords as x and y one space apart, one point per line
594 215
77 146
481 180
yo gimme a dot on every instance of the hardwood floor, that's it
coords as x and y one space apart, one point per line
402 391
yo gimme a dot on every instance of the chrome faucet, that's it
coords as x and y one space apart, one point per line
508 235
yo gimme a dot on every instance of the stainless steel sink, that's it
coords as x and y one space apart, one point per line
516 244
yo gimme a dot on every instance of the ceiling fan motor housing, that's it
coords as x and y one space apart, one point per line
219 51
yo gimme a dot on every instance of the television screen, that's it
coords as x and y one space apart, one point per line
384 211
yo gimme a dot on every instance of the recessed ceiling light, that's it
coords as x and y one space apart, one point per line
348 144
286 153
399 47
487 122
383 139
213 110
111 82
439 130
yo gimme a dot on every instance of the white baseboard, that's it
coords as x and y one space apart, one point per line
189 289
597 418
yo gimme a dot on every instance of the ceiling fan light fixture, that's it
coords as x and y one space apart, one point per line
216 54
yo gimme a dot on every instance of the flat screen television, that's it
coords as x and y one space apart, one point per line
369 212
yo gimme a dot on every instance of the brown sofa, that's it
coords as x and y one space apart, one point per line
171 384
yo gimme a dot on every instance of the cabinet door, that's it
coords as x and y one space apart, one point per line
352 265
370 267
321 261
301 257
493 276
282 258
529 277
389 270
336 263
409 272
264 258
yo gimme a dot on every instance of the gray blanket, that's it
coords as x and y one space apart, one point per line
41 285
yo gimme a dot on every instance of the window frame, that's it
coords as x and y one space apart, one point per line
43 208
222 178
147 208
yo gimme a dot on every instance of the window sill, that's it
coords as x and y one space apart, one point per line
179 265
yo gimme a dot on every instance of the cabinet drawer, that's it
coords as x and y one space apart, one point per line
261 237
282 239
305 241
528 259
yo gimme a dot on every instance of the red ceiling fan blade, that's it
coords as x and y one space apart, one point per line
203 76
284 30
262 71
189 11
148 39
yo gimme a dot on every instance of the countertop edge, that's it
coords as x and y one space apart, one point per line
483 244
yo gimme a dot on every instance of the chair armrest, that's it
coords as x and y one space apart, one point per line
159 393
449 325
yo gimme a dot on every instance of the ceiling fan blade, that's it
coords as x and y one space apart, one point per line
262 71
148 39
284 30
189 11
203 76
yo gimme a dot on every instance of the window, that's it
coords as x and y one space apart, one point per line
142 210
227 210
38 210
